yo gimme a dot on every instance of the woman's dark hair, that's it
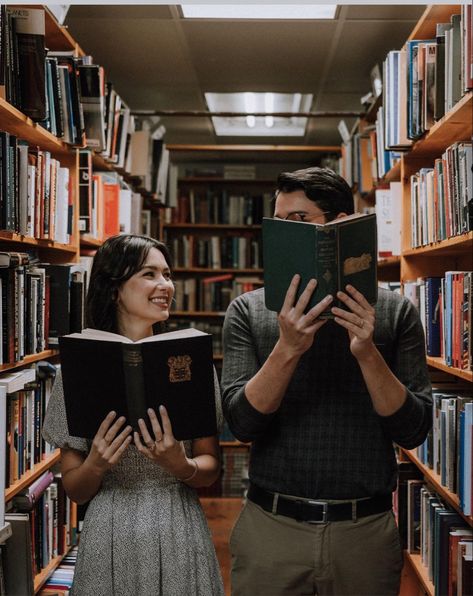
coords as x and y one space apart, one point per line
327 189
118 259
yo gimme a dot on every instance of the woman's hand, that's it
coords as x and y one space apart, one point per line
109 444
163 447
296 329
359 321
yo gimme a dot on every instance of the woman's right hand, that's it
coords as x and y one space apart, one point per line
109 444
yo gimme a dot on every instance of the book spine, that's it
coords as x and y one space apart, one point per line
327 270
134 383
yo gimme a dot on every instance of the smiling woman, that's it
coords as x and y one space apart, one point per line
155 537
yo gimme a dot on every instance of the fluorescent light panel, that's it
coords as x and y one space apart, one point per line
250 125
259 11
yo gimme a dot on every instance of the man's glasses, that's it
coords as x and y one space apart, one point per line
304 216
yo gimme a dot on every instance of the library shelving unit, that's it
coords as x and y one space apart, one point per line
453 254
16 123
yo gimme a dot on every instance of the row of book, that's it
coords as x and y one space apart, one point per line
26 394
42 525
432 531
108 205
211 294
442 197
424 80
38 303
34 194
60 581
365 158
214 329
448 447
445 307
220 207
231 251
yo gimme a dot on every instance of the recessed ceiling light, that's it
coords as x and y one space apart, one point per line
259 11
252 103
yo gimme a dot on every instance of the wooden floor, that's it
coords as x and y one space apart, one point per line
221 515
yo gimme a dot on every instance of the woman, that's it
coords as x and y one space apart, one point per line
144 531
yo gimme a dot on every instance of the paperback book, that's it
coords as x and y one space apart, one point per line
104 371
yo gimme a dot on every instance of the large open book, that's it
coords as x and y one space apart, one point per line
337 253
103 371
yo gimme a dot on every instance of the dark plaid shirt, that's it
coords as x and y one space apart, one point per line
326 441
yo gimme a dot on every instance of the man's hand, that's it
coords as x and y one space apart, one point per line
359 321
296 329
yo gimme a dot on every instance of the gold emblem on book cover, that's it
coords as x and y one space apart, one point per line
357 264
179 368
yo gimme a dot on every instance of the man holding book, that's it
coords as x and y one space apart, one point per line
322 399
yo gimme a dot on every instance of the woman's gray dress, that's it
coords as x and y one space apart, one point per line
144 533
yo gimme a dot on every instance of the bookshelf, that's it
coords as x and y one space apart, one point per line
430 259
17 124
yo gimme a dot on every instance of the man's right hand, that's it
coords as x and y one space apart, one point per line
109 444
296 329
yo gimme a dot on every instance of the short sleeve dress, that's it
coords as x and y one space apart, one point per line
144 532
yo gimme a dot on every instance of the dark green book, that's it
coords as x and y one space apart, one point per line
337 253
103 371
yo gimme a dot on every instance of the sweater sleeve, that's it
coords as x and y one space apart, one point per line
240 364
409 426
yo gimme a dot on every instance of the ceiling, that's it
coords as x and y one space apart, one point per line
157 60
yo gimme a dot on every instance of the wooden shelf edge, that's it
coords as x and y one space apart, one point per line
389 261
434 479
269 148
415 561
31 475
458 242
29 360
436 362
7 236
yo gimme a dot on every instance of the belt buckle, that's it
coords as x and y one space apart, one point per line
324 506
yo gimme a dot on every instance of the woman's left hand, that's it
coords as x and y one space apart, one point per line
358 321
163 447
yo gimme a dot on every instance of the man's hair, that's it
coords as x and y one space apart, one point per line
327 189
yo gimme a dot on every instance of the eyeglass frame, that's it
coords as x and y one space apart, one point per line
304 214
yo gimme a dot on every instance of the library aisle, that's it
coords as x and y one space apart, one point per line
173 123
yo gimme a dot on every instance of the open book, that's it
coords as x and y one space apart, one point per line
337 253
104 371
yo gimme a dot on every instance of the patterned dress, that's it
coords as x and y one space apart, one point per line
144 532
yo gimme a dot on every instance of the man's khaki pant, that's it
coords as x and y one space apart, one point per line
274 555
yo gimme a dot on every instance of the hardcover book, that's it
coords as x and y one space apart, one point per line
104 371
340 252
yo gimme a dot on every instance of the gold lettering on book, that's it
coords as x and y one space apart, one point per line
357 264
179 368
133 358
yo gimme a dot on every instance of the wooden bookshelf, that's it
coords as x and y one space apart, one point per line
454 245
41 578
28 477
389 261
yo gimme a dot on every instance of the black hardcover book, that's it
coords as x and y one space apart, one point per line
104 371
59 300
29 31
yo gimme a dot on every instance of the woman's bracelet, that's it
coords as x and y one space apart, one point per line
196 469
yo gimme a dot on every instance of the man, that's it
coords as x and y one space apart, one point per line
322 403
